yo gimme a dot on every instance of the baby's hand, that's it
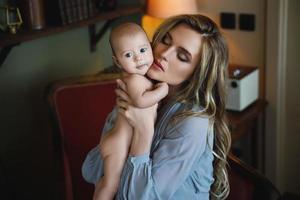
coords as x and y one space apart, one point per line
163 86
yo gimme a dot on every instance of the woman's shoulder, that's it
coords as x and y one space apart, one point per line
197 117
190 123
193 125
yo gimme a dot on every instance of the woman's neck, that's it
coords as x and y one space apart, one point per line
172 92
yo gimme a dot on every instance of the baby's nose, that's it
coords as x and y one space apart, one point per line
138 57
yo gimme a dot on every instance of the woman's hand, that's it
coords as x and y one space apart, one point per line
121 92
135 116
141 119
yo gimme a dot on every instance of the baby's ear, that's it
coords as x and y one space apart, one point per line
116 61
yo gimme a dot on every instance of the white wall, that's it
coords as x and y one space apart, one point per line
245 47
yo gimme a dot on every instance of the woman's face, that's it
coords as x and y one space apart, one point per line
176 56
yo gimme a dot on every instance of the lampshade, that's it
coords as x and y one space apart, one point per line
158 10
167 8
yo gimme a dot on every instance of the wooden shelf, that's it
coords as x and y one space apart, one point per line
7 39
237 118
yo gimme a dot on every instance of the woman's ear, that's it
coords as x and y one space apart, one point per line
116 62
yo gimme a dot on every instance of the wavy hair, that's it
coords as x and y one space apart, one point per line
206 88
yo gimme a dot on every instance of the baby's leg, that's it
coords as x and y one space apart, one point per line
114 148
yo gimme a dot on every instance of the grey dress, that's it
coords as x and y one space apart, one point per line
178 167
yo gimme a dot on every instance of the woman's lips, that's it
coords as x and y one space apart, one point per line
157 65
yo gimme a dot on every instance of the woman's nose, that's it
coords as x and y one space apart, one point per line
167 52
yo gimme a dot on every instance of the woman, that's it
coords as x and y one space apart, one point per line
179 149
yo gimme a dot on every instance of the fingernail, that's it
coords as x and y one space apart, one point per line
117 82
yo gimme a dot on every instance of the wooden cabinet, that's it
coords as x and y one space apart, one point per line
247 123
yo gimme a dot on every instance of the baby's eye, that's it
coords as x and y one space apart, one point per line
143 50
128 55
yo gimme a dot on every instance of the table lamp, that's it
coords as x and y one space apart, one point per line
158 10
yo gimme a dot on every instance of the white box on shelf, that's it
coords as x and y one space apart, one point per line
243 87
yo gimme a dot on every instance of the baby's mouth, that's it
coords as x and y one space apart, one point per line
141 66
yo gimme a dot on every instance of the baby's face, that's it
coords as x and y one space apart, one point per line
134 53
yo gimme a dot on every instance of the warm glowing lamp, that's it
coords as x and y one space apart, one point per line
158 10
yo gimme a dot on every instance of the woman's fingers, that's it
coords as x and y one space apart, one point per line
122 108
122 104
121 85
122 95
121 91
122 111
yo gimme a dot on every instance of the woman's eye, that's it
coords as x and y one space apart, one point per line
182 57
166 40
128 55
143 50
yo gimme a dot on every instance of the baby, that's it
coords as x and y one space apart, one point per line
133 54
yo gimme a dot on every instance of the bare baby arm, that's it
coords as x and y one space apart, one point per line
143 93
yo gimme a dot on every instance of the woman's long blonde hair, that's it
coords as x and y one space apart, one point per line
206 88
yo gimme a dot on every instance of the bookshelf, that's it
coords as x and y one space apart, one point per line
8 41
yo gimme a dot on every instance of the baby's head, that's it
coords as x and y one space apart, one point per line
131 48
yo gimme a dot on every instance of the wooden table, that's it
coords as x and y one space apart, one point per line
247 122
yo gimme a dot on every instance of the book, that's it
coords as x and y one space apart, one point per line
62 11
85 9
91 8
68 10
53 12
74 11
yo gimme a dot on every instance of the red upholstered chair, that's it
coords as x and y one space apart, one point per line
79 107
246 183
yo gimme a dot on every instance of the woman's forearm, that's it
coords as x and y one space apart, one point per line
141 141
